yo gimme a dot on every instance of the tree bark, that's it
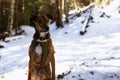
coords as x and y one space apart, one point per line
16 17
11 17
59 22
0 12
2 15
66 11
23 6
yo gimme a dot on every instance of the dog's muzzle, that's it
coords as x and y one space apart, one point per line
43 36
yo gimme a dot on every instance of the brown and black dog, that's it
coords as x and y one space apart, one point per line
41 51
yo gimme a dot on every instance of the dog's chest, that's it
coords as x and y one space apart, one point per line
38 49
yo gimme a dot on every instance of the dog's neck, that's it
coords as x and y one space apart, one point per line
38 40
41 37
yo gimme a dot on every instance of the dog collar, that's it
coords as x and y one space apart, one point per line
38 40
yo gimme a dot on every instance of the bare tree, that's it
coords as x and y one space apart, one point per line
54 11
66 6
11 17
1 16
23 6
0 11
59 22
16 17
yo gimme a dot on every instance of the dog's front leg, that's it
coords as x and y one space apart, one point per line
29 72
53 67
31 56
30 62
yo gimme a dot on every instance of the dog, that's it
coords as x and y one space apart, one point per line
41 51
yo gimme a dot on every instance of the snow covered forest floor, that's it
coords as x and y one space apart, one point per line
93 56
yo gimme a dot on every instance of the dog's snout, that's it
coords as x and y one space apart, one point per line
42 34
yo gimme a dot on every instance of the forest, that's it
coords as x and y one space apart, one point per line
14 13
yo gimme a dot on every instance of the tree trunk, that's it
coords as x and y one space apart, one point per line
23 12
11 17
16 17
23 6
2 15
60 2
53 2
75 5
0 12
66 11
59 22
53 11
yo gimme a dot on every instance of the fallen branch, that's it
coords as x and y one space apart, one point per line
85 23
92 5
61 76
104 14
83 10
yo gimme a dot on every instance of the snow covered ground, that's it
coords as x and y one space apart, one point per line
93 56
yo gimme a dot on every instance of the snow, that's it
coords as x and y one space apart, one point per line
93 56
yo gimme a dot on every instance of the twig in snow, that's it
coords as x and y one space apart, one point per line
61 76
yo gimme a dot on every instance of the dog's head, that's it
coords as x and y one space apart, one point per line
41 25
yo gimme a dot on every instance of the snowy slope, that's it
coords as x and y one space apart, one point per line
93 56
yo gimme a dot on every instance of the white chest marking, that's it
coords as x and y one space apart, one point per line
38 49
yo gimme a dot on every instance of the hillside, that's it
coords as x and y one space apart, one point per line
92 56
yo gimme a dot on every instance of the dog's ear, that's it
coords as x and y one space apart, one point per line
32 20
49 16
